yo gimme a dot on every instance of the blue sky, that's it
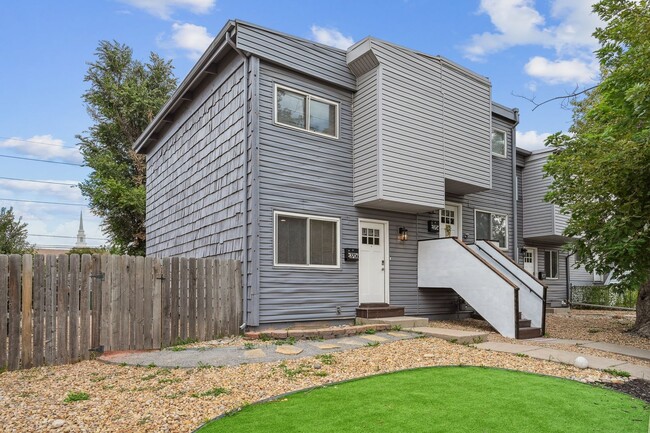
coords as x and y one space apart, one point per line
538 49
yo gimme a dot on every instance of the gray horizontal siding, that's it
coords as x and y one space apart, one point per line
195 175
306 173
365 119
316 60
556 287
538 214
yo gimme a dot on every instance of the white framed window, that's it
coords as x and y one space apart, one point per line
499 145
300 110
492 227
306 240
552 264
598 278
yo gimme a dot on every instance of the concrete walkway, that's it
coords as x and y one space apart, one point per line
567 357
605 347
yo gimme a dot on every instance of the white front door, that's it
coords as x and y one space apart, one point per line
450 219
373 266
530 261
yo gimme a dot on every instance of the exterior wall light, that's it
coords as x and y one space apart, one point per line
403 234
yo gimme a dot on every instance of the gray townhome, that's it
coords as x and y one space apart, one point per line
350 183
543 225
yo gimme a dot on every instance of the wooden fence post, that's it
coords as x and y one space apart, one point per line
38 290
15 264
106 269
85 323
4 293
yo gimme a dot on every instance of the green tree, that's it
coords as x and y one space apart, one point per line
601 171
13 234
124 96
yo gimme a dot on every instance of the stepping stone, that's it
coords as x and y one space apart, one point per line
288 350
327 346
398 334
254 353
373 338
350 341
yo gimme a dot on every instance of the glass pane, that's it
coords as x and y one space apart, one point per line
364 232
547 263
499 229
292 240
322 242
364 240
291 108
499 142
376 233
322 117
554 264
483 226
376 241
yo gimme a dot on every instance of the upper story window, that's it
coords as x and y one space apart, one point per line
300 110
306 240
499 143
492 227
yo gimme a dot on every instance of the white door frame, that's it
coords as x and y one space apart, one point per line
535 259
459 219
386 230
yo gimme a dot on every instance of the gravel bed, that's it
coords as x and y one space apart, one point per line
152 399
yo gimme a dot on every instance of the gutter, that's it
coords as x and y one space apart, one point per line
515 251
568 278
245 279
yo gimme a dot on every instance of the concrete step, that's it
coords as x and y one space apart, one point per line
529 332
376 312
453 335
403 321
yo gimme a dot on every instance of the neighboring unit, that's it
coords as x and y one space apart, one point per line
358 183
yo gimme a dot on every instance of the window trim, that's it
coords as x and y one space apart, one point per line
308 217
308 97
557 254
505 143
507 226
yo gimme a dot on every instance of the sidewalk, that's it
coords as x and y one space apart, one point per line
568 357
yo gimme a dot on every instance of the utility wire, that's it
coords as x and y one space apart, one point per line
38 142
41 160
65 237
41 181
45 202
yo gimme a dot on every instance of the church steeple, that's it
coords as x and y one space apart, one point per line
81 235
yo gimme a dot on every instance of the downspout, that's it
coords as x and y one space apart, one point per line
568 278
245 189
515 251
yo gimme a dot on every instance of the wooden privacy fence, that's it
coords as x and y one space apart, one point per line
57 309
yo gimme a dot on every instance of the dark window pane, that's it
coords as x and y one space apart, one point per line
499 142
483 226
322 242
322 117
291 108
292 240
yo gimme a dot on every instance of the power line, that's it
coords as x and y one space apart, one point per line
40 181
38 142
65 237
45 202
41 160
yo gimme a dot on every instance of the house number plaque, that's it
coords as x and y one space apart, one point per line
351 254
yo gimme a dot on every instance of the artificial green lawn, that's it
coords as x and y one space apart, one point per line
445 399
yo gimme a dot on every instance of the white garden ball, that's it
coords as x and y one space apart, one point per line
581 362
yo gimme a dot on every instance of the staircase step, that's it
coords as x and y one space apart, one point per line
529 332
402 321
524 323
379 312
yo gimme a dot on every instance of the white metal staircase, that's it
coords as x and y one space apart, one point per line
507 296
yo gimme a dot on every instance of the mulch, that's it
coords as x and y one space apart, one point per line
638 388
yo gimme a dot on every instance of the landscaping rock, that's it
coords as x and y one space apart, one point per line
57 423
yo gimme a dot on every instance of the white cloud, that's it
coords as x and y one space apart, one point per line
567 30
43 147
44 191
331 37
192 39
574 71
531 140
164 8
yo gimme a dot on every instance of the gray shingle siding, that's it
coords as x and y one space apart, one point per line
310 174
195 175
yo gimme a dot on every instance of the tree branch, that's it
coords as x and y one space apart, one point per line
564 98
